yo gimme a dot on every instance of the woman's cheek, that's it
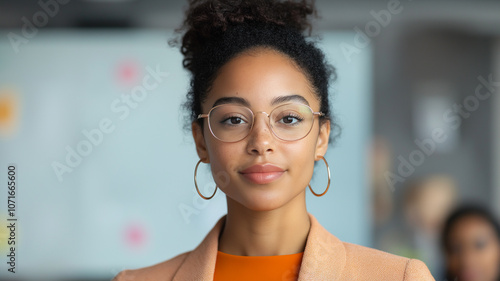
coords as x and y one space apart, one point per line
224 167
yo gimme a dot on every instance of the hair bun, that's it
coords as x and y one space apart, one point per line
206 19
219 14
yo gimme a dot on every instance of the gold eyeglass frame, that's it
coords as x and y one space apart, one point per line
319 113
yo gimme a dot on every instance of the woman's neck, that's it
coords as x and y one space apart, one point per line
280 231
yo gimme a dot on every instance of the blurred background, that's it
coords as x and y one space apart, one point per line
90 117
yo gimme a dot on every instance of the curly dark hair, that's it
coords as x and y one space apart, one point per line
218 30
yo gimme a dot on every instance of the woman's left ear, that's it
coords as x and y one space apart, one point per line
324 135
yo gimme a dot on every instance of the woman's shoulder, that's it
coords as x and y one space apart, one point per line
161 271
383 265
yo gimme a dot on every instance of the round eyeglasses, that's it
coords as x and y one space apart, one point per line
232 123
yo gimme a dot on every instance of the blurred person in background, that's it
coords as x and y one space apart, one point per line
426 203
471 244
382 194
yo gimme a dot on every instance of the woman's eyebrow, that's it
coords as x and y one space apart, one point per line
282 99
237 100
275 101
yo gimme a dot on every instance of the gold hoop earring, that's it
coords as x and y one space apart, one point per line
196 184
328 186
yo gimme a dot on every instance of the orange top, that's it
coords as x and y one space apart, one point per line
242 268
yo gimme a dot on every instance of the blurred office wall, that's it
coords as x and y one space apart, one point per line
417 97
94 127
434 117
496 129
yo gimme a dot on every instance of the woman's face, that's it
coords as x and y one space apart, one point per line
258 79
474 252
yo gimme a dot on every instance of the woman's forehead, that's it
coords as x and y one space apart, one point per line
265 78
277 100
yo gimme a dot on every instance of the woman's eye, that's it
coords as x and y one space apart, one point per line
233 121
480 244
290 119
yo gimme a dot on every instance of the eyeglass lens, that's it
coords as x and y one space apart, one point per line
232 123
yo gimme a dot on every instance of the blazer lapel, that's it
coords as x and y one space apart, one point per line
199 264
324 256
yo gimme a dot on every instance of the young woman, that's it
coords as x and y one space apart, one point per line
260 117
471 242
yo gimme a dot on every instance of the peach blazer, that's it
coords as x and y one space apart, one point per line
325 258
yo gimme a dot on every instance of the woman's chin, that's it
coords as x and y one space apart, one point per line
263 201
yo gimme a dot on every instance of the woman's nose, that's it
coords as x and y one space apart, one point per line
261 138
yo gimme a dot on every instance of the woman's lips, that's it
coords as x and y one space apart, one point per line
262 174
263 178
